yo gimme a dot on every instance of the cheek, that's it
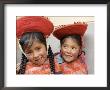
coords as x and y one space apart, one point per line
43 53
76 53
30 57
63 50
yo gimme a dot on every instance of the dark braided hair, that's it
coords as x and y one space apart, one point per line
51 60
24 60
27 41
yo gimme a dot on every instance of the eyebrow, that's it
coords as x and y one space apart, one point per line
70 45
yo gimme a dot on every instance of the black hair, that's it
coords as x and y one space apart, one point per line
75 36
51 60
29 37
24 60
27 41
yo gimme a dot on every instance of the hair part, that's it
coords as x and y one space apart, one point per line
28 38
75 36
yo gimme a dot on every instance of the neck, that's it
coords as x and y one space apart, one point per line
71 61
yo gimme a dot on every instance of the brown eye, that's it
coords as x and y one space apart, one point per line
38 48
64 46
73 48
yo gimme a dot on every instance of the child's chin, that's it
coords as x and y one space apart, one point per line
38 64
69 60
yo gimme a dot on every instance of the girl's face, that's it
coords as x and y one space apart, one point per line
70 49
36 53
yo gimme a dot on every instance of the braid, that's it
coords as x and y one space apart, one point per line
51 60
23 64
82 52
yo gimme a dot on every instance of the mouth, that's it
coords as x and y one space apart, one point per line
36 60
39 60
68 55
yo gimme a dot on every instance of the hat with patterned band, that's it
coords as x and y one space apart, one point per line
76 28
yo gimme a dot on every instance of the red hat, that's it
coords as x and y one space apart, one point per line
76 28
33 24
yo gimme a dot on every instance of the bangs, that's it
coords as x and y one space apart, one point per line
29 38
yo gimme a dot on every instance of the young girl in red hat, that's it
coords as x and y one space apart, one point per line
32 32
71 58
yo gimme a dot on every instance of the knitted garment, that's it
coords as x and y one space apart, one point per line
76 67
43 69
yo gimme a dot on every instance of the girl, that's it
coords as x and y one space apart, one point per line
71 57
32 32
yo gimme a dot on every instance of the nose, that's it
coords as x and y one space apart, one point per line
68 51
35 55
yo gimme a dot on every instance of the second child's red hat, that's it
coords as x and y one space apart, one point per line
71 29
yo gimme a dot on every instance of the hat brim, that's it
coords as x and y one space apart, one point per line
70 30
33 24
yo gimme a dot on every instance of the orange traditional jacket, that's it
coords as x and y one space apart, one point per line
43 69
76 67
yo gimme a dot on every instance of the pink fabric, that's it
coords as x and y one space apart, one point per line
43 69
76 67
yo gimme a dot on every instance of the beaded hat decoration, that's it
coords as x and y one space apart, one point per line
76 28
